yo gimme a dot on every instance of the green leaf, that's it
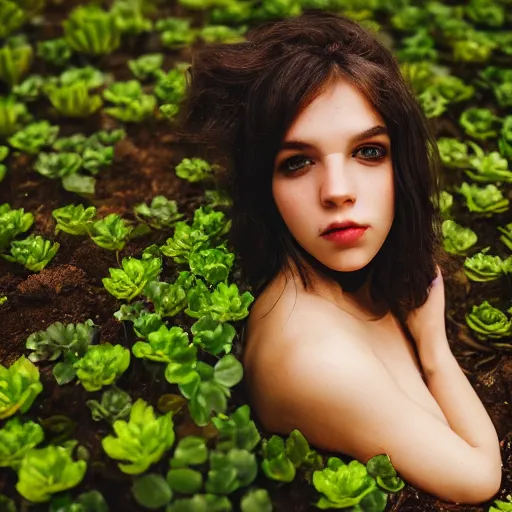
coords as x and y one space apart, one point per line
185 481
228 371
20 386
190 451
256 500
152 491
46 471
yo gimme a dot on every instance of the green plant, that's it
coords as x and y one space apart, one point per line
55 51
229 471
480 123
15 60
486 12
13 223
445 202
12 116
490 167
129 17
235 431
115 405
131 104
74 100
207 388
488 321
456 238
12 17
185 240
486 200
57 165
162 213
16 438
194 169
34 252
132 279
213 336
101 365
90 29
223 304
175 32
142 440
91 501
111 232
70 341
168 298
483 267
146 66
33 137
281 460
212 264
97 156
20 386
474 46
30 89
46 471
74 219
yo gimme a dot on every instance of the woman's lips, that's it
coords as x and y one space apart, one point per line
345 236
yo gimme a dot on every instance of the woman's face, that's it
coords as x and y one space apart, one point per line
335 178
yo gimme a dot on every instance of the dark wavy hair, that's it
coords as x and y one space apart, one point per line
242 98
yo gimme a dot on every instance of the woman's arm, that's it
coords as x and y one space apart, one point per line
458 400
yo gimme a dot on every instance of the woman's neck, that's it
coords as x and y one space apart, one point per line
358 303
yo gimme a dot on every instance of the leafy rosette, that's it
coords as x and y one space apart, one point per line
132 279
46 471
142 440
488 321
456 238
344 485
74 219
214 224
111 232
162 213
483 267
212 336
213 264
165 346
16 438
34 252
102 365
168 298
186 239
20 386
453 152
12 223
490 167
224 304
486 200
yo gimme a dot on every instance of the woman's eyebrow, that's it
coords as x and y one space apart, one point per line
371 132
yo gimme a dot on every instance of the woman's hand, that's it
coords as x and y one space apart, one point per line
427 323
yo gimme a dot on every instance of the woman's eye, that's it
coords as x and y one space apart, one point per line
287 166
376 152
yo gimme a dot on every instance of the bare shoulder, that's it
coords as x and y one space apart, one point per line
308 370
283 324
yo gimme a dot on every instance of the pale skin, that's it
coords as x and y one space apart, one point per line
338 366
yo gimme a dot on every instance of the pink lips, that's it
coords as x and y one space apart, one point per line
345 236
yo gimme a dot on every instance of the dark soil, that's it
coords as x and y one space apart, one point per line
70 290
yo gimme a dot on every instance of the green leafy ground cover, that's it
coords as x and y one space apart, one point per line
120 303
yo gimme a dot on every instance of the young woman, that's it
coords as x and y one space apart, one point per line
336 226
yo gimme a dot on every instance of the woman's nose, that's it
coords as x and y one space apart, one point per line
337 186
